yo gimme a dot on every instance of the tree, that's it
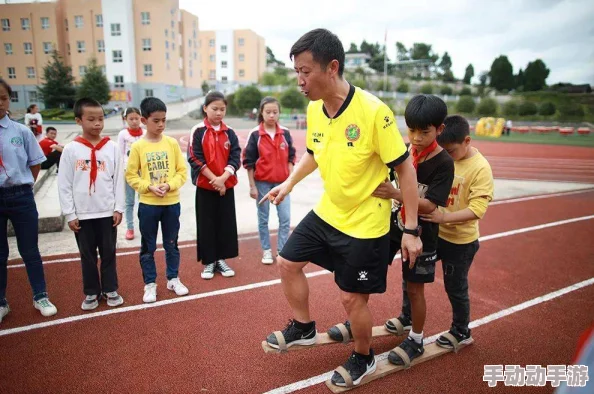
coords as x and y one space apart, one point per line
535 76
547 109
465 105
353 48
520 80
247 98
468 74
268 79
293 99
94 84
421 51
483 78
401 52
446 63
205 87
487 107
270 57
527 108
58 90
502 74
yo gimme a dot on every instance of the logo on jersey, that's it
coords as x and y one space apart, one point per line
16 141
389 122
352 133
227 145
283 145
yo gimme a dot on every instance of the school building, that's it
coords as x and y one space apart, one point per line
145 47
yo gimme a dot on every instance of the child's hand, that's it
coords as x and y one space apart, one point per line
222 191
218 183
156 191
117 218
164 187
385 190
74 225
434 217
253 192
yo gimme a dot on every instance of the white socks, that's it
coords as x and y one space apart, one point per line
418 338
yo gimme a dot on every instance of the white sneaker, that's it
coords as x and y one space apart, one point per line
45 307
208 271
91 302
267 257
4 311
224 269
113 298
150 293
176 285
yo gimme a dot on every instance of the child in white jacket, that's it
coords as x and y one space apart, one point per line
91 190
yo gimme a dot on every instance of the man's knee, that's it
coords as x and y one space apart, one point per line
287 267
415 290
352 301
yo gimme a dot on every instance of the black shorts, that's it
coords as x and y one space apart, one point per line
359 265
424 269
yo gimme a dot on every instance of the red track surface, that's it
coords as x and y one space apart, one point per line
212 344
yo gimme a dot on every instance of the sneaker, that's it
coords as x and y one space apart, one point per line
45 307
336 335
4 309
267 257
208 271
176 285
91 302
224 269
113 298
357 367
150 293
463 338
294 336
411 347
405 321
130 234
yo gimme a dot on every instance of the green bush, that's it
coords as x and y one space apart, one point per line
231 107
247 97
571 111
465 91
52 112
292 98
361 83
446 90
547 109
403 87
487 107
510 108
427 88
465 105
527 108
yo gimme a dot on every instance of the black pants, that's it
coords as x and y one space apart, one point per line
216 226
98 234
51 159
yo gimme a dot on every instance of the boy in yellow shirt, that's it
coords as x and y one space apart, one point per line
471 192
157 170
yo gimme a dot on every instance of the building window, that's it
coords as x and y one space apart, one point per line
99 20
212 74
78 21
44 23
66 24
224 48
82 70
241 42
14 97
166 33
68 46
194 35
241 57
28 48
172 46
11 73
8 49
191 73
103 70
166 44
211 43
195 56
33 96
189 43
166 55
25 24
146 44
145 18
118 81
5 24
224 79
30 72
116 30
47 48
117 57
148 70
242 73
148 93
81 47
100 46
172 25
212 58
223 64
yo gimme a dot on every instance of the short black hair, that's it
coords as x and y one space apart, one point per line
6 86
425 110
83 103
324 46
150 105
213 95
50 128
456 130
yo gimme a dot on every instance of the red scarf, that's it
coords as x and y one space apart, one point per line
94 149
2 166
135 133
416 157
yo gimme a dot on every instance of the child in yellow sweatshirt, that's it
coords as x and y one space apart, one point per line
157 170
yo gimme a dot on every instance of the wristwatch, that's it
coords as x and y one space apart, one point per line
416 231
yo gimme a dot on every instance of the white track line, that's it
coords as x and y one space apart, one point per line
476 323
273 232
246 287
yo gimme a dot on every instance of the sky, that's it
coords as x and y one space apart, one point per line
560 32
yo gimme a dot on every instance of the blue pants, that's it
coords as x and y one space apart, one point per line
130 199
284 217
149 217
18 204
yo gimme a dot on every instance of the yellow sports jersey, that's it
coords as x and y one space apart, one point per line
353 151
472 188
155 163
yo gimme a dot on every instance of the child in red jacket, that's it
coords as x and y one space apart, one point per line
269 157
214 155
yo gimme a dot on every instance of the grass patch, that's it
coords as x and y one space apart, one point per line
550 139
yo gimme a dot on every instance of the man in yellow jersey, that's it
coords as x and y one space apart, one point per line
353 140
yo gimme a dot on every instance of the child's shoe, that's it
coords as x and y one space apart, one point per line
150 293
130 234
45 307
267 257
113 298
176 285
4 309
463 338
224 269
208 271
91 302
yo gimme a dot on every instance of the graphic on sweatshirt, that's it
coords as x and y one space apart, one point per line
455 192
85 165
158 167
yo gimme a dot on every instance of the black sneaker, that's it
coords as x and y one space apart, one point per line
464 338
412 349
357 367
294 336
404 320
224 269
335 334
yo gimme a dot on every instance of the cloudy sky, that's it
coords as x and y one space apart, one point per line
560 32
